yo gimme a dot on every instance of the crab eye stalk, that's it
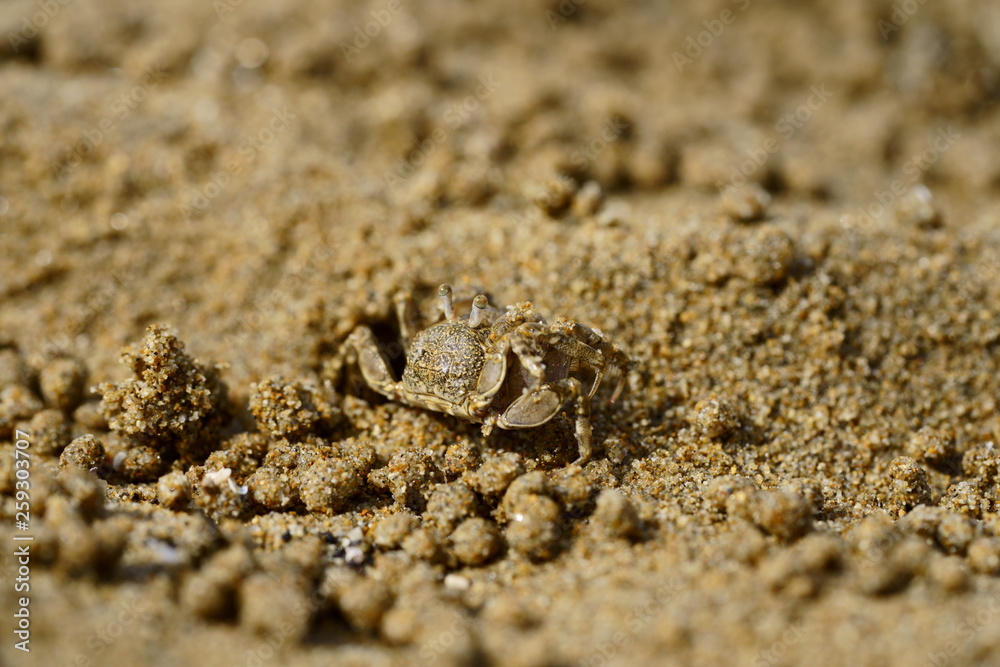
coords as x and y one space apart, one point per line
444 292
478 314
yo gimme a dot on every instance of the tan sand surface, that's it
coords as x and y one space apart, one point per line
786 214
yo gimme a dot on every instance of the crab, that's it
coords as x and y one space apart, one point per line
508 369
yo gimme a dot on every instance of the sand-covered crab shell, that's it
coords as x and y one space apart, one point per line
508 369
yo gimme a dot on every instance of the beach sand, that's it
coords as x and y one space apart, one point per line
786 215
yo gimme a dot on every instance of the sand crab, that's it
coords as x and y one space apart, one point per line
507 369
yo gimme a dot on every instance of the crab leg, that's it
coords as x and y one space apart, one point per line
517 315
522 342
592 348
362 346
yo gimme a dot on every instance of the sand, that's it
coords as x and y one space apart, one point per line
786 215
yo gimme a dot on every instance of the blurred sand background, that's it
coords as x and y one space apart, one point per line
787 213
